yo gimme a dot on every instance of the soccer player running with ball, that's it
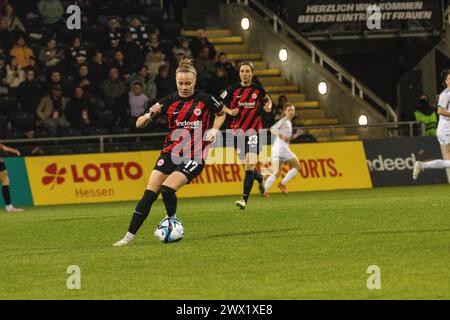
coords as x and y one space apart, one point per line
245 101
4 179
281 153
190 114
443 132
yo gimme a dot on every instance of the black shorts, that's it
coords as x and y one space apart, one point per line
2 165
246 144
190 168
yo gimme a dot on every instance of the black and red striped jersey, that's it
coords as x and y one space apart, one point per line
194 116
249 100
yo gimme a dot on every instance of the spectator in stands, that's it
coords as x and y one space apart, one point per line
113 34
219 82
426 114
29 92
14 23
14 75
5 35
154 60
28 12
205 69
139 32
222 60
80 111
21 52
164 84
182 47
138 102
201 41
132 51
149 86
51 56
77 53
98 67
154 42
56 79
114 90
51 110
51 12
84 80
3 84
121 63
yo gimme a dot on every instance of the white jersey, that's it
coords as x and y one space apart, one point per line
280 148
443 128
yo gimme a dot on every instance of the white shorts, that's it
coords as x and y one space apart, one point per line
444 139
282 153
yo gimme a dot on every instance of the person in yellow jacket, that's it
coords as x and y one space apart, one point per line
22 53
427 115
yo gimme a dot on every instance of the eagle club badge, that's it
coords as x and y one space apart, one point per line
197 112
254 96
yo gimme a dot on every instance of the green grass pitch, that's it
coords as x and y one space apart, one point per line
314 245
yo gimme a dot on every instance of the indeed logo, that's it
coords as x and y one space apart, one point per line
188 124
247 104
389 164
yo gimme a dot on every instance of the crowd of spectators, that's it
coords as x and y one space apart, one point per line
97 80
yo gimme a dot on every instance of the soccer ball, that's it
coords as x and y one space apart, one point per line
169 230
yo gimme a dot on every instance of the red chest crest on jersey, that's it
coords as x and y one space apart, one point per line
254 96
197 111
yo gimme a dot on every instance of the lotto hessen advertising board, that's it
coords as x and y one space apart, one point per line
391 161
86 178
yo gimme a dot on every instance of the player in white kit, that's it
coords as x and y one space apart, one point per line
443 132
281 153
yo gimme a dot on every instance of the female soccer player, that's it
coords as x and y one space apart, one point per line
190 114
4 179
281 153
245 101
443 132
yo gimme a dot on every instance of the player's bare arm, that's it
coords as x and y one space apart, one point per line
443 112
10 150
145 119
267 104
218 122
232 112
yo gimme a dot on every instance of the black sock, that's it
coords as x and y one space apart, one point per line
258 176
6 195
170 200
248 184
142 210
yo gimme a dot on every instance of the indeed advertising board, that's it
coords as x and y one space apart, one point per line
391 161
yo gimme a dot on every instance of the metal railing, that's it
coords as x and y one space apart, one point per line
393 129
326 62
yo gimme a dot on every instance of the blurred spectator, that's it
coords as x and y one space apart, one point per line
201 41
154 60
80 111
51 110
83 79
29 92
154 42
183 47
56 79
132 51
3 84
51 12
426 114
139 32
77 53
121 63
5 35
219 82
22 53
14 23
113 34
205 69
51 56
138 102
98 67
222 60
14 75
142 76
164 84
114 90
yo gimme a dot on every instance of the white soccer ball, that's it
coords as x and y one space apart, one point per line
169 230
